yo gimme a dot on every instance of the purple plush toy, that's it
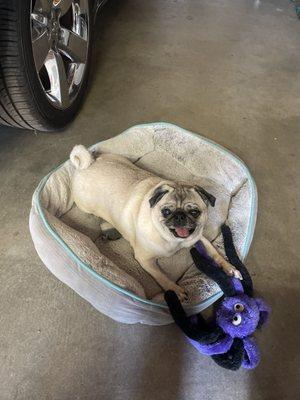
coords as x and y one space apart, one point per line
238 316
229 339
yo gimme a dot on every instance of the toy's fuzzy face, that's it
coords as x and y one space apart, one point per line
238 316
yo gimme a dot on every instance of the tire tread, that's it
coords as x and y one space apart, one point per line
19 105
13 108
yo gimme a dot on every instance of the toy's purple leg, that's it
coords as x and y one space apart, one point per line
202 250
252 355
219 347
264 311
237 284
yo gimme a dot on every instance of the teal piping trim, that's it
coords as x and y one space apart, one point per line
201 306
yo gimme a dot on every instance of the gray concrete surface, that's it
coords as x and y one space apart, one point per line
226 69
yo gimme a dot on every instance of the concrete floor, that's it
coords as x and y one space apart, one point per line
226 69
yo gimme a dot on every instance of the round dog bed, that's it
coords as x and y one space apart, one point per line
70 243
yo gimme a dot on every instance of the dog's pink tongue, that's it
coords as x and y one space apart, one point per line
182 232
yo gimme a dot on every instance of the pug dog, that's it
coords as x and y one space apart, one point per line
158 217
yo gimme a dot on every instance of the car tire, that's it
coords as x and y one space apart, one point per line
30 97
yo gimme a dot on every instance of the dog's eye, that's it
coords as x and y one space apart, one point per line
195 213
237 319
239 307
166 212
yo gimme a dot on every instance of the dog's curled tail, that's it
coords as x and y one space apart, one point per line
80 157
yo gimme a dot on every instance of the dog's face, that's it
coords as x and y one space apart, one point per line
179 211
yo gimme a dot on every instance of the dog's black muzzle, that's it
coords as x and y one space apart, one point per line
179 219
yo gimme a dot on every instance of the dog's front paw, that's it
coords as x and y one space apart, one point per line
232 271
181 293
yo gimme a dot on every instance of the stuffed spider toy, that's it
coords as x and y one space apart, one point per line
228 340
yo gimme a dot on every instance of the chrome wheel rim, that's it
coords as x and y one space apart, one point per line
59 37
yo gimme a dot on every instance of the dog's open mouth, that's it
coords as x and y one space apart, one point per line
182 232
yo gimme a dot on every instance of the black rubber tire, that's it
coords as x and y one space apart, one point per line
23 103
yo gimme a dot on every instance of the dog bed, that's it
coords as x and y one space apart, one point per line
70 243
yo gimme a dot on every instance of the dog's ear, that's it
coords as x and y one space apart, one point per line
206 197
158 194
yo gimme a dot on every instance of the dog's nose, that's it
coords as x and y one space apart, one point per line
179 218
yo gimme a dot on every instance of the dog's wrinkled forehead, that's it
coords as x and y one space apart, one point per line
180 194
183 194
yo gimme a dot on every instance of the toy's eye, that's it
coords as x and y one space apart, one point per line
166 212
237 319
239 307
195 212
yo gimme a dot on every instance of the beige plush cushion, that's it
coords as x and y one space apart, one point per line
172 153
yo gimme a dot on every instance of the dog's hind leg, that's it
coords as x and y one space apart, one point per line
108 232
